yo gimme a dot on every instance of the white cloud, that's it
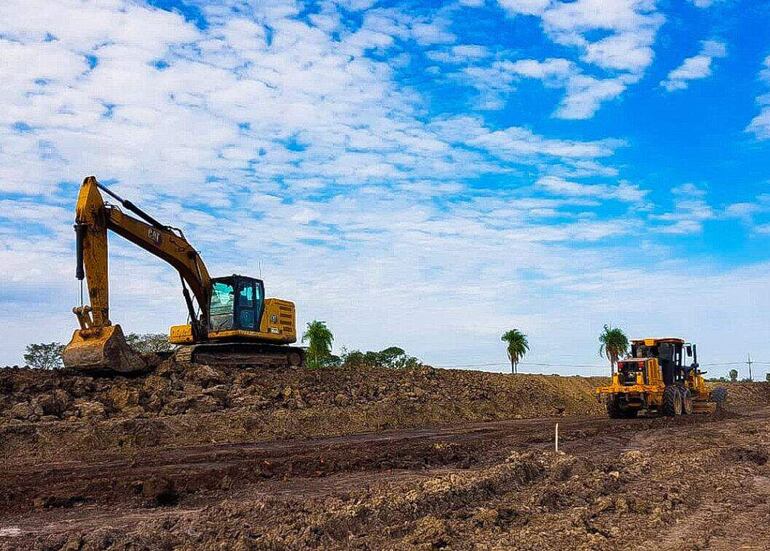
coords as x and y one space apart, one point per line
632 24
623 191
760 125
705 3
552 68
515 142
696 67
461 54
585 95
752 214
628 51
613 35
691 210
525 7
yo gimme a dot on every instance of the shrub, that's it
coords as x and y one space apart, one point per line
392 357
149 343
44 355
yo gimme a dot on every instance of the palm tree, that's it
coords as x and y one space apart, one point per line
614 344
517 347
320 346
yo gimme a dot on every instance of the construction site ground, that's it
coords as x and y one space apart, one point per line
372 459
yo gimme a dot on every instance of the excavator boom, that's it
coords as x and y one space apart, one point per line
98 345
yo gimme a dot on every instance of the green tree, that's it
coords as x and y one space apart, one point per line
733 375
517 347
392 357
320 340
353 358
397 358
614 344
149 343
44 355
767 377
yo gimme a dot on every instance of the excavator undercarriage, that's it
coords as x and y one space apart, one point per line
241 354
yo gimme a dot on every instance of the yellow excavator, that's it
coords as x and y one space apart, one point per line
234 323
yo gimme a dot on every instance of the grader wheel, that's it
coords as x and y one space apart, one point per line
719 395
672 401
686 401
615 411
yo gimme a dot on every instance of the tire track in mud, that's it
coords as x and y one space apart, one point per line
180 475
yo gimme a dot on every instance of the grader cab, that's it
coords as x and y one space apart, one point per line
661 376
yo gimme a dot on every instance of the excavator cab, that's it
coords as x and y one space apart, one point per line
237 303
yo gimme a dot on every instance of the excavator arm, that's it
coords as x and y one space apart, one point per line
99 345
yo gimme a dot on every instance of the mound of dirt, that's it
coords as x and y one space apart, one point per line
745 395
53 415
29 395
616 493
55 412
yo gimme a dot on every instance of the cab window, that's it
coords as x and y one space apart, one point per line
249 305
247 315
221 306
246 297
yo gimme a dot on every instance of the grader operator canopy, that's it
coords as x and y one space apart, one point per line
670 353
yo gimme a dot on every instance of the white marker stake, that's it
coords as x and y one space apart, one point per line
556 439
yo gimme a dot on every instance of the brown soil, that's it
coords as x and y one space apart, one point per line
53 416
371 460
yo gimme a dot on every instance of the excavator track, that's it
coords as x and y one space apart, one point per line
241 354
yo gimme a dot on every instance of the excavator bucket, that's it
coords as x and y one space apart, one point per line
102 349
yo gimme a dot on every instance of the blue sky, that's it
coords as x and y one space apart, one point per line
427 174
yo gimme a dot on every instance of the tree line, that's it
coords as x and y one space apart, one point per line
319 352
318 355
613 345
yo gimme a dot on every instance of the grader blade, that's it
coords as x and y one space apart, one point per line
102 350
699 406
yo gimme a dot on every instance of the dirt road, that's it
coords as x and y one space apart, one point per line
691 483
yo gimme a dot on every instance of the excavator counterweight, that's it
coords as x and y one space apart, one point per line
233 323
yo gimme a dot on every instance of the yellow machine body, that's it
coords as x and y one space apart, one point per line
642 384
257 328
277 326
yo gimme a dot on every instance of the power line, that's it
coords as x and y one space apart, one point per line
593 366
532 364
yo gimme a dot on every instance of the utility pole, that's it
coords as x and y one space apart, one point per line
748 363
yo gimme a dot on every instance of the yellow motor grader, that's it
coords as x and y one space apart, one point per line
657 379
